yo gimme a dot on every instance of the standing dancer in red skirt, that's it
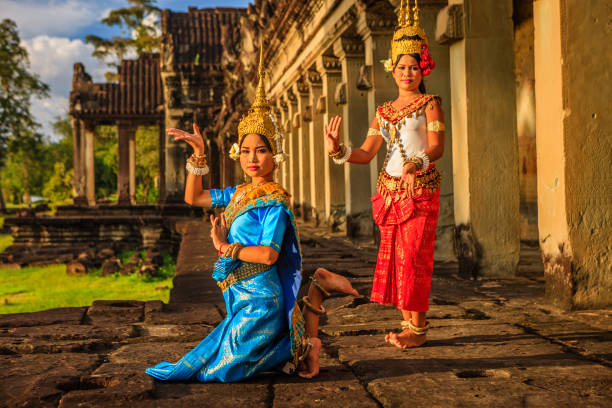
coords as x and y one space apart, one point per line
407 201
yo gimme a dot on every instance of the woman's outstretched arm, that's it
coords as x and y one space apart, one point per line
359 155
194 193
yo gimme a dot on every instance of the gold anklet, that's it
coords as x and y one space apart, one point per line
321 288
416 330
313 309
305 350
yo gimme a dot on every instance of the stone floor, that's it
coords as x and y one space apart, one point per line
493 343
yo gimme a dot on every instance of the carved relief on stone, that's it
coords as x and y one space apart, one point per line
291 96
364 82
307 113
321 106
340 94
287 125
297 120
449 24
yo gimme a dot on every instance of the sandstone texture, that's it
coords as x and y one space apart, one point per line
493 342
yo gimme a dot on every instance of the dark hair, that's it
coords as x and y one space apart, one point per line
265 140
417 57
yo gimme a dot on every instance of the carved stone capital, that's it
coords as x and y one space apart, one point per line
349 46
376 18
340 94
302 87
328 64
449 24
291 96
313 78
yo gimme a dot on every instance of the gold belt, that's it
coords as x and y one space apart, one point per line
429 179
245 270
390 187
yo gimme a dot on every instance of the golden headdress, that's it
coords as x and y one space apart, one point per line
260 120
409 37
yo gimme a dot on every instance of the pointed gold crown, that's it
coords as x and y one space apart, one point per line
408 37
259 119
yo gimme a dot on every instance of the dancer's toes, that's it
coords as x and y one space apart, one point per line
312 359
406 339
332 282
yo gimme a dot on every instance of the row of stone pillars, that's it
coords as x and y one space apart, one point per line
345 77
84 162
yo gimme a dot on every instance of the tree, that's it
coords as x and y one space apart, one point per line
139 33
18 129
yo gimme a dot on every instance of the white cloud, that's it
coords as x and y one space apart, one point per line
52 58
53 17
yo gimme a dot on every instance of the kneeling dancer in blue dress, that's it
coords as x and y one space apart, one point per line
259 265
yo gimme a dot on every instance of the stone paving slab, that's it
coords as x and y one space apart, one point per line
494 342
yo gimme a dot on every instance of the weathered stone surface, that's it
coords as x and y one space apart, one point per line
115 311
491 344
72 315
40 380
335 386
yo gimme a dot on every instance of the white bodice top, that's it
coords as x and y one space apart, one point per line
413 134
408 125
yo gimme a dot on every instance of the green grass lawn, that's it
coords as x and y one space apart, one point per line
38 288
5 241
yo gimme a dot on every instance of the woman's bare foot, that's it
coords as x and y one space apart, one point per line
312 359
405 339
333 282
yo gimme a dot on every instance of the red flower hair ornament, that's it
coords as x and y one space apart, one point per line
427 63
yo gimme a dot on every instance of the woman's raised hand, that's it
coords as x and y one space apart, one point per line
218 232
332 134
194 139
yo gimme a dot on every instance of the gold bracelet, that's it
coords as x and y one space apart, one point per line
436 126
236 250
417 162
339 153
311 307
373 132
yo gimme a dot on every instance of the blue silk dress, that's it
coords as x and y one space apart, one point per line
264 328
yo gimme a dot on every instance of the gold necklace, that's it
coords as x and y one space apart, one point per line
245 191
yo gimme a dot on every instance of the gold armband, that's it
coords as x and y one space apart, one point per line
373 132
436 126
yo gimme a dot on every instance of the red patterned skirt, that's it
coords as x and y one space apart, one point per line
407 234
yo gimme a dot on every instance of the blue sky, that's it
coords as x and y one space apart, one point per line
53 32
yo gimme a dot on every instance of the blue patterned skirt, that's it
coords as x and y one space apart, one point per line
254 337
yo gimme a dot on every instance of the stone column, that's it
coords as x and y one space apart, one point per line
331 78
484 143
88 158
350 51
78 179
375 25
283 123
161 189
176 116
318 155
293 151
573 122
301 121
125 147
